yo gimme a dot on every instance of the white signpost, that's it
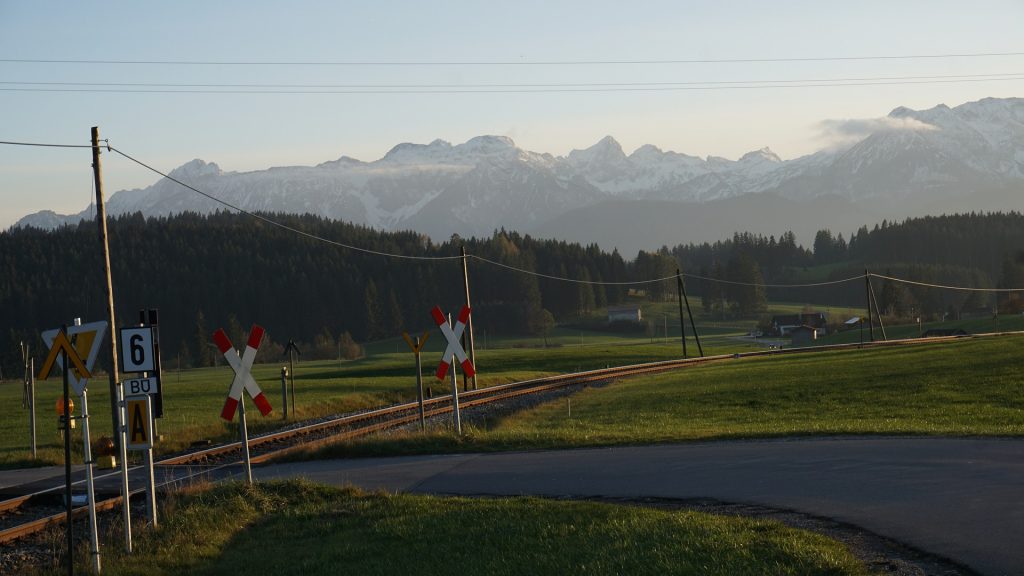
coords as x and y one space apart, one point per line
85 340
138 355
243 380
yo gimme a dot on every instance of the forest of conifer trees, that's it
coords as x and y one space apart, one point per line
229 270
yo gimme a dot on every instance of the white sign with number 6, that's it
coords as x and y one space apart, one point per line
137 349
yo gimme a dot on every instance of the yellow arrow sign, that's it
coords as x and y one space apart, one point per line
61 343
416 349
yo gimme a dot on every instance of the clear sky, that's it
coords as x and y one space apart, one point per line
255 131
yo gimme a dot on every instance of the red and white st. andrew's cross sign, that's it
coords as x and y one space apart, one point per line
454 346
242 367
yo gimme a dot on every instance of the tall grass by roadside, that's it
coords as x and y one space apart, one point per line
301 528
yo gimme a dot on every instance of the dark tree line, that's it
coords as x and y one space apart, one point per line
978 250
227 270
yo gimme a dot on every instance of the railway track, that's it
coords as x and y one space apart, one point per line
37 509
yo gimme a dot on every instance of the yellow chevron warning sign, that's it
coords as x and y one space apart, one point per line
86 341
60 344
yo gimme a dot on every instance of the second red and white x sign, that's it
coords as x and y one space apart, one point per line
243 371
454 346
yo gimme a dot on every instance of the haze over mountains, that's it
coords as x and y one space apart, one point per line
940 160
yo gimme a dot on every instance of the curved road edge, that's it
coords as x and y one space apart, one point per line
959 498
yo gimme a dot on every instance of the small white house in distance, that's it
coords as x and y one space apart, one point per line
624 313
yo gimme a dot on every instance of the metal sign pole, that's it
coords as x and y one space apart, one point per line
151 479
32 402
90 489
245 439
67 460
122 427
419 386
24 381
456 419
416 345
284 392
291 375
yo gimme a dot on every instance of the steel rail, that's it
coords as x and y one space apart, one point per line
376 420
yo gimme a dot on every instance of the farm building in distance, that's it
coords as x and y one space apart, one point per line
804 335
624 314
783 324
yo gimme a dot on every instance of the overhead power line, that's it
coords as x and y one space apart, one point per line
943 287
45 145
376 252
493 262
522 62
26 83
276 223
526 89
532 272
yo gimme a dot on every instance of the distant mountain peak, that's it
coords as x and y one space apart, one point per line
441 151
195 169
764 154
901 112
343 162
606 150
608 143
408 151
489 140
940 158
647 151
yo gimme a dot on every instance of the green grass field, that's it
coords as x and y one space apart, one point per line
193 398
961 388
309 530
988 324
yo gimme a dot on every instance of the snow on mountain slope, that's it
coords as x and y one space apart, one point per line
937 157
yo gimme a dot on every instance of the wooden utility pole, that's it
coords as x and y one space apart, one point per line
469 322
116 394
291 350
419 382
867 300
101 221
682 320
878 311
693 326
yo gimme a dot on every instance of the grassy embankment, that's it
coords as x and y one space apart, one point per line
193 398
305 529
961 388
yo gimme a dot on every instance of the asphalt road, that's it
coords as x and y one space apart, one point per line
962 499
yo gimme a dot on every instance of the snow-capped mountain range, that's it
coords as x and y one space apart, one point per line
943 159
